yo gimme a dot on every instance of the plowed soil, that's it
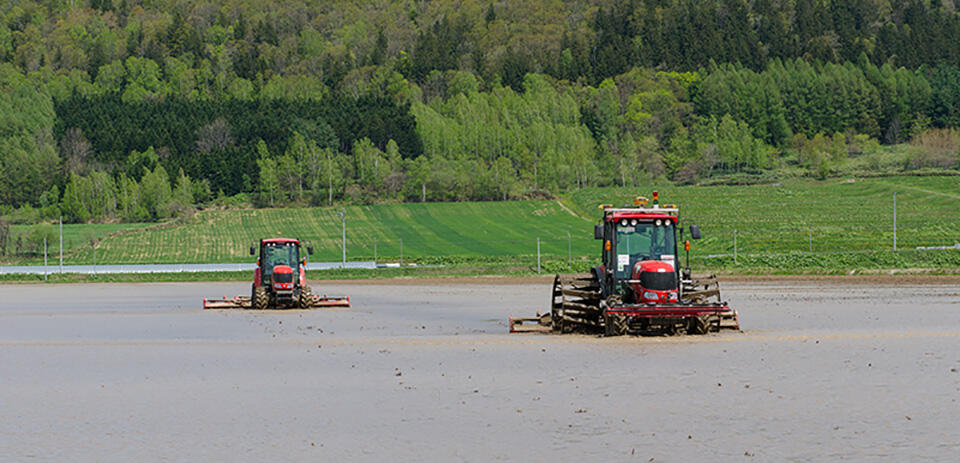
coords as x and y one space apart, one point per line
826 369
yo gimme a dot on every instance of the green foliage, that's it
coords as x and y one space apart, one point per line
437 101
116 128
37 236
735 146
269 188
155 193
538 131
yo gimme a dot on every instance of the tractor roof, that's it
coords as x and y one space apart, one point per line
281 240
612 215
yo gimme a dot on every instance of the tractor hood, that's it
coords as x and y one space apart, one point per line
282 269
282 277
654 275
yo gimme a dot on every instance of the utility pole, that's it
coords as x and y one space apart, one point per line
61 243
401 252
343 235
44 258
374 251
894 220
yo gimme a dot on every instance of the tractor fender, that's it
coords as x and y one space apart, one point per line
256 277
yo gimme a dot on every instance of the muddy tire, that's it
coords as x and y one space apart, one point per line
699 325
306 297
260 299
614 325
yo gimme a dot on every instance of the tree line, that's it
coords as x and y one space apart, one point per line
213 49
365 102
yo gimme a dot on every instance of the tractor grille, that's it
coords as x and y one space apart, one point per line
660 281
283 278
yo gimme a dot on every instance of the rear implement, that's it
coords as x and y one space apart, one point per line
242 302
577 307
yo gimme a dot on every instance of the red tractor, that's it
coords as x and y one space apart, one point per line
279 281
639 287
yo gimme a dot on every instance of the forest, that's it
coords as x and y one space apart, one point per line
142 110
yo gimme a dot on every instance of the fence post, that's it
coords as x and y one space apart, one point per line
343 238
538 255
735 247
374 251
44 258
61 243
401 252
894 220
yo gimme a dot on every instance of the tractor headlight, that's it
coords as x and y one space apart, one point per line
651 295
623 222
633 223
659 222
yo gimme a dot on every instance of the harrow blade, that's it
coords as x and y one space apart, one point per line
729 321
701 289
243 302
541 323
330 301
237 302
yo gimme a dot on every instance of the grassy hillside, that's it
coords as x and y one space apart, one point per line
829 216
486 229
847 224
76 237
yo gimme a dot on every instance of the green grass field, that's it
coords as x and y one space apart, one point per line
76 236
470 230
842 222
828 216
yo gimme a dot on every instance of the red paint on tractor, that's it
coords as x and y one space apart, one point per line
652 266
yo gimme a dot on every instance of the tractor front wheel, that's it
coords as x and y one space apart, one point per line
306 297
260 298
615 325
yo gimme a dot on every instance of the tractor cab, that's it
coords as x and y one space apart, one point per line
278 260
640 263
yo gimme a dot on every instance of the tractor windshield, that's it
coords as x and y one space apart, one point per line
279 254
644 241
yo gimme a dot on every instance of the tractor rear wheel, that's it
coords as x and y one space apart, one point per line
260 298
614 325
306 297
699 325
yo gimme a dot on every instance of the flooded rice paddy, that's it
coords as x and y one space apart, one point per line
825 370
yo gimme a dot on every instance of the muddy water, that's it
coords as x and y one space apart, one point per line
127 372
